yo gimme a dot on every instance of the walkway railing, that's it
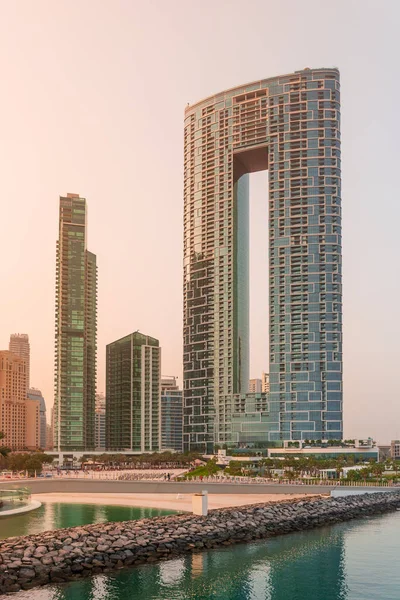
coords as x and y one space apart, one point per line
173 476
300 482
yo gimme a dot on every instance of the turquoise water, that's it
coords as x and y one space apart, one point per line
59 515
353 561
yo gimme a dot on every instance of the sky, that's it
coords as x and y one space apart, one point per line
92 101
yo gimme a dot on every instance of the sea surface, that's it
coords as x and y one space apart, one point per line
59 515
353 561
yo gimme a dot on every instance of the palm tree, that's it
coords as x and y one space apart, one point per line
365 472
3 449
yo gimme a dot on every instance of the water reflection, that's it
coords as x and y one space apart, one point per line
335 563
59 515
296 567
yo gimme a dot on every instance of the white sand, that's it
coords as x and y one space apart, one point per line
165 501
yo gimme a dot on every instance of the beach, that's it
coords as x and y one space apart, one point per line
178 502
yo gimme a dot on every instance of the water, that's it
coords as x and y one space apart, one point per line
59 515
353 561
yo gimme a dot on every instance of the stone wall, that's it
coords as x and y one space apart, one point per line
66 554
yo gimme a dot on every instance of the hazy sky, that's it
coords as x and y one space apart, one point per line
92 100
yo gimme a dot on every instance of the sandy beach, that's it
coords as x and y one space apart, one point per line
167 501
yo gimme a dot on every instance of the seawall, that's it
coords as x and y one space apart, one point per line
60 485
67 554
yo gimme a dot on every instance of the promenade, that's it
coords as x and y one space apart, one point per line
66 485
177 502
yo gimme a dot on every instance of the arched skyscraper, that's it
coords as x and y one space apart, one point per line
289 125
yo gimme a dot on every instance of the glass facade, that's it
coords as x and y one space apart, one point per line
76 331
34 394
133 373
289 125
172 420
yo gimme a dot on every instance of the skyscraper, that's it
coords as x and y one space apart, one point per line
133 371
13 400
289 125
254 386
171 415
35 394
100 422
265 382
76 331
19 345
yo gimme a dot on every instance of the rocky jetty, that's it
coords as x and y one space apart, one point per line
66 554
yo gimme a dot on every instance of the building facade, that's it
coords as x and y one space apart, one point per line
35 394
32 424
133 373
19 345
168 382
171 415
12 400
254 386
49 437
265 383
100 422
395 449
76 331
250 415
289 125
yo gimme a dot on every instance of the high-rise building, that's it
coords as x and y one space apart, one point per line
254 386
289 125
49 431
76 331
265 382
35 394
49 437
133 372
12 400
32 424
168 382
100 422
171 415
19 345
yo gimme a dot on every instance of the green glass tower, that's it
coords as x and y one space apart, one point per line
76 331
133 375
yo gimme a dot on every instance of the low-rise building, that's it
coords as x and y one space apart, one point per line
326 452
395 449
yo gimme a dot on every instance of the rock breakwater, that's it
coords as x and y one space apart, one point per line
66 554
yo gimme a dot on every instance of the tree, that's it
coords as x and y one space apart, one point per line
33 464
16 462
378 469
353 475
365 472
3 449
